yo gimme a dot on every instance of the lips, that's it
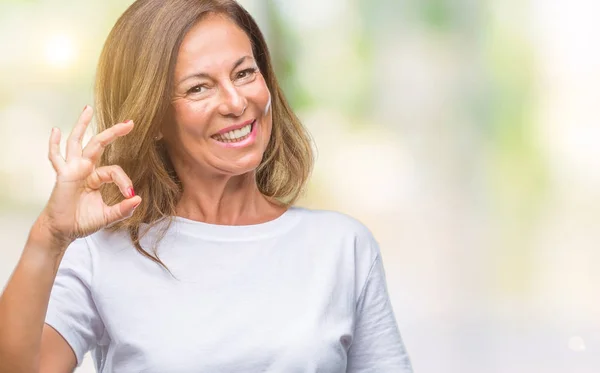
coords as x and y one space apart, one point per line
234 127
235 135
239 138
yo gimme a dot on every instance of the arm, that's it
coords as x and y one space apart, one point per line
25 342
377 345
75 209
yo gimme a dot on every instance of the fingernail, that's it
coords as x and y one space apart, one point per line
133 209
131 192
84 108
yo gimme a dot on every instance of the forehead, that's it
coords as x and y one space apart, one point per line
213 43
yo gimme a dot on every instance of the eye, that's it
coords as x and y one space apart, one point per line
245 73
196 89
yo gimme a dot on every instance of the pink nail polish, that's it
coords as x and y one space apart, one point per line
85 107
131 192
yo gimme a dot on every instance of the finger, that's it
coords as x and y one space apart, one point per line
98 143
76 136
122 210
54 155
111 174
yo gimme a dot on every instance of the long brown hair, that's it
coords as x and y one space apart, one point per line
135 81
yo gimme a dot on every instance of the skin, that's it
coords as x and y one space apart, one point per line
219 184
75 209
217 85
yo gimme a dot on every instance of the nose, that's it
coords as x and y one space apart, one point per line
233 103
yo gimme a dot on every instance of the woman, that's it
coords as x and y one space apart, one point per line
206 266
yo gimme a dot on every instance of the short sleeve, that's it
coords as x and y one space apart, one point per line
377 345
71 310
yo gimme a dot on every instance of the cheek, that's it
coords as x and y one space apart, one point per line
260 95
267 113
267 118
264 102
191 117
266 99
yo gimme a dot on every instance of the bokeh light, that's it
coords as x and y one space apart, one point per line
60 50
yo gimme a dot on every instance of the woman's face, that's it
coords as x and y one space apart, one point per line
221 109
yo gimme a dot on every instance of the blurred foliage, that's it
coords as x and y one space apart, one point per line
283 46
517 169
437 14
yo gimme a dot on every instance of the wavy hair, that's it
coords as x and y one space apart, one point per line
135 81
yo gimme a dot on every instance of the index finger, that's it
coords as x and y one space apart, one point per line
98 143
76 136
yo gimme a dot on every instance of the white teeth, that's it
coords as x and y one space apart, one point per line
235 134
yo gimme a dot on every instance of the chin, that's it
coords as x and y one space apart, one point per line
236 168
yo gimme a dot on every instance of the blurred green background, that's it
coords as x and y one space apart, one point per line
464 133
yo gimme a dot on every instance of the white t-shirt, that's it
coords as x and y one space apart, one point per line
305 292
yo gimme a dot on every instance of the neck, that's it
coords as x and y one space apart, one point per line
226 200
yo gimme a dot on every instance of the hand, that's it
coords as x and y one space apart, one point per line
75 208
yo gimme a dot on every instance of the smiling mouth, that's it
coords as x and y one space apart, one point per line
235 135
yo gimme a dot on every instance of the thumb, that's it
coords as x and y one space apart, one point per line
123 209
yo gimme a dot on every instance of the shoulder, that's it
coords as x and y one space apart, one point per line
344 237
84 252
340 229
335 222
88 253
106 242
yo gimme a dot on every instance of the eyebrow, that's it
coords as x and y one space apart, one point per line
204 75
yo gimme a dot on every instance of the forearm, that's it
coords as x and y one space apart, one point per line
24 302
